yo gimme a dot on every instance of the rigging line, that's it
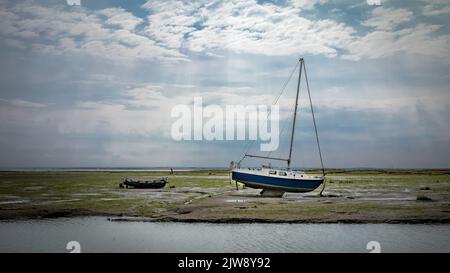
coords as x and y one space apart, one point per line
314 121
286 82
284 127
279 95
249 145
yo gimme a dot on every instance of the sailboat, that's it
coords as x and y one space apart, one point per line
277 181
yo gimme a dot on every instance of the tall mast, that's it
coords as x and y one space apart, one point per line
295 112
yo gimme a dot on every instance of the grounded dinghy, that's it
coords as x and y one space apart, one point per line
275 182
146 184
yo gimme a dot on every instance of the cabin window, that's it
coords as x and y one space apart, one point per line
272 172
282 173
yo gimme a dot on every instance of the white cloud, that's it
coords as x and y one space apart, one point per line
244 27
388 18
145 110
121 18
420 39
389 39
171 21
307 4
434 10
173 30
108 33
23 103
139 124
382 99
267 29
436 7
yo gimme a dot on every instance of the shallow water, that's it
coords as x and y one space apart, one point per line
97 234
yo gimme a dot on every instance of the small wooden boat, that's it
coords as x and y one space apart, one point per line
145 184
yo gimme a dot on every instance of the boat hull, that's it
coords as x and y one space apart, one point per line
268 182
156 184
137 185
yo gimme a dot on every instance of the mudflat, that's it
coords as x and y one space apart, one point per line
357 196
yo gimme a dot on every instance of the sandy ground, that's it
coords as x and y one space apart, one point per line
374 206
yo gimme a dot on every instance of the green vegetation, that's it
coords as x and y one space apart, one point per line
89 192
374 195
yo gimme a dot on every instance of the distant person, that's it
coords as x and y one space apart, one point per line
171 171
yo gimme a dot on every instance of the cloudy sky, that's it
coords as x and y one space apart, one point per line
93 85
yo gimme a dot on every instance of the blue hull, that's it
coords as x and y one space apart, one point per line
276 183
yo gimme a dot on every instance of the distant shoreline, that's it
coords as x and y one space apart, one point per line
111 169
155 169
